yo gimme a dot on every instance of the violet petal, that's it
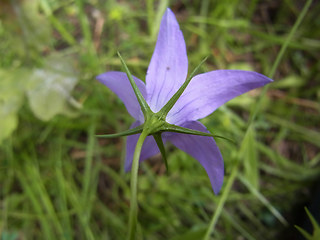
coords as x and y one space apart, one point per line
119 83
168 67
203 149
208 91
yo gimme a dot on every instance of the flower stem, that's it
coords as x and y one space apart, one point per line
133 217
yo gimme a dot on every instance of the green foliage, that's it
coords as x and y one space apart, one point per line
47 87
50 88
12 89
316 228
22 29
248 153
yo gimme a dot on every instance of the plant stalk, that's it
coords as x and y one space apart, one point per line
133 215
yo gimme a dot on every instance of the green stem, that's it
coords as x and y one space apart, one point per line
222 201
133 184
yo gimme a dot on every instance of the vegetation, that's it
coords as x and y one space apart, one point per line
59 181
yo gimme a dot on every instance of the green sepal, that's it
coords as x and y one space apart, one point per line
128 132
166 108
157 137
174 128
143 104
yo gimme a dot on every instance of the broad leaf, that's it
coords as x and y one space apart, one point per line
11 98
50 90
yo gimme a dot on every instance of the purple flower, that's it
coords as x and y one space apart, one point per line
205 93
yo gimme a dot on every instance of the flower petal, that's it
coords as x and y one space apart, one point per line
149 148
208 91
168 67
119 83
203 149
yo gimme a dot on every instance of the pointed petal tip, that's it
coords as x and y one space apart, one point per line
265 78
127 168
169 11
204 150
168 67
208 91
250 75
99 77
169 15
218 185
103 77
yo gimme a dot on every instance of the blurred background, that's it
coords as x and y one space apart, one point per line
58 181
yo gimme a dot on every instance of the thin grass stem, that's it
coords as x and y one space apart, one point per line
231 179
222 201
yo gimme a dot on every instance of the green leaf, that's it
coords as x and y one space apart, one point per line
12 86
312 219
291 81
263 200
191 234
249 154
306 134
316 228
50 89
304 232
8 119
241 66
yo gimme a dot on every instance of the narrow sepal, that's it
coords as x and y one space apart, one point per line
143 104
128 132
160 144
174 128
166 108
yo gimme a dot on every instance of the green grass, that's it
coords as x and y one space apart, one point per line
58 181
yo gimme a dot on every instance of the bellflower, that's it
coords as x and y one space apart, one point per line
166 74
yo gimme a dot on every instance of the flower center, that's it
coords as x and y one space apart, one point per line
154 123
